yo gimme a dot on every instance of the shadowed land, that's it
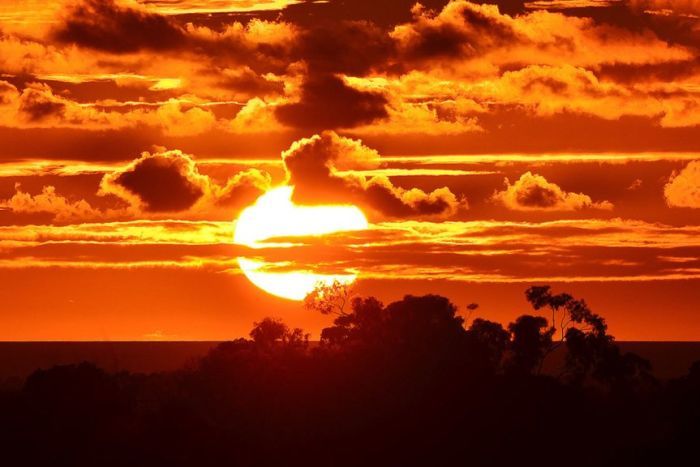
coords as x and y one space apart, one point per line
403 384
19 359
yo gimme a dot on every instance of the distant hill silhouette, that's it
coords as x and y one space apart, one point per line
20 359
404 384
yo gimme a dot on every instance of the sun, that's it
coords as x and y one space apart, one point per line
274 215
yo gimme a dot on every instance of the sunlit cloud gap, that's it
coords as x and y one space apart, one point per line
189 7
41 166
611 158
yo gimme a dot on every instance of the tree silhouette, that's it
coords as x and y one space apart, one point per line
428 319
405 383
362 324
273 331
591 352
567 312
492 339
531 341
330 298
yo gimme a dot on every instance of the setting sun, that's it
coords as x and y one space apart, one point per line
274 215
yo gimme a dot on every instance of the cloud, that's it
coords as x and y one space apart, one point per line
532 192
635 185
159 182
483 251
314 164
683 188
240 189
178 120
328 102
220 6
246 82
420 102
7 93
309 74
121 27
37 106
169 181
23 55
438 109
464 68
570 4
467 36
49 202
461 29
668 7
350 47
124 233
110 26
256 116
38 103
263 46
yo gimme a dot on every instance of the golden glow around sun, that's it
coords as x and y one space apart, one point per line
275 215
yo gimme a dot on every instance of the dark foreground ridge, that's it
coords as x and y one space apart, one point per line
409 383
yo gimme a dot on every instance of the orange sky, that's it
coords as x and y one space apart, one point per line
491 146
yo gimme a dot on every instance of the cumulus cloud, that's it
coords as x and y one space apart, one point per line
22 55
532 192
169 181
49 202
264 46
256 116
308 75
315 168
328 102
350 47
245 82
37 106
456 69
550 90
442 107
452 105
683 188
463 30
240 189
117 27
178 120
37 102
122 27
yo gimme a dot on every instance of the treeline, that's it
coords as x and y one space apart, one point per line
404 384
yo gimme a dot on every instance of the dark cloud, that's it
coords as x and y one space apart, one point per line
106 25
246 81
650 72
461 29
391 201
96 90
161 182
170 181
116 28
668 7
391 13
327 102
352 47
536 193
322 45
320 169
37 102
